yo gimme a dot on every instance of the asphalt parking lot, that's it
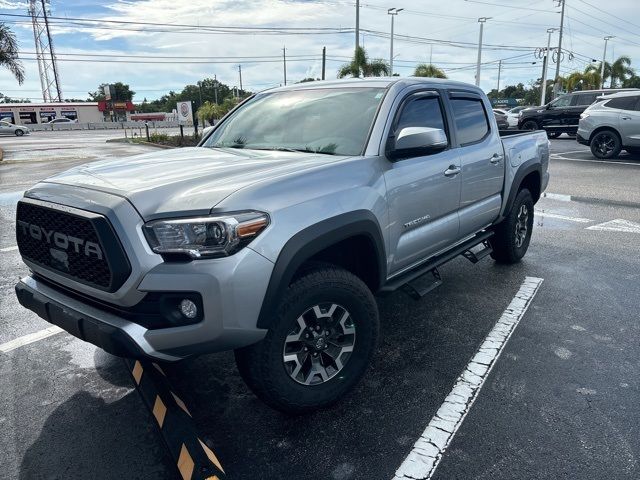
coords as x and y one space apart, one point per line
561 400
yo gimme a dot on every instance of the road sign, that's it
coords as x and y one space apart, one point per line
185 114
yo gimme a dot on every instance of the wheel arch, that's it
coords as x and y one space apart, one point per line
602 129
529 176
358 232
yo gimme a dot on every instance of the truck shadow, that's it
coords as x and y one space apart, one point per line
88 437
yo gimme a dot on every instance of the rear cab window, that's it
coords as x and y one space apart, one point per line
470 119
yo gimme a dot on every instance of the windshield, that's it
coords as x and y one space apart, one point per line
330 121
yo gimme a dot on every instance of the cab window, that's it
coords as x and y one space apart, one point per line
623 103
564 101
585 99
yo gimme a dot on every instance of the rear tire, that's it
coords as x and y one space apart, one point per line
513 235
19 133
530 125
605 144
332 314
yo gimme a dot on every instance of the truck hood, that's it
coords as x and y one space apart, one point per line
183 180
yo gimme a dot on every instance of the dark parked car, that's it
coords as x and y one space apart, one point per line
501 118
562 114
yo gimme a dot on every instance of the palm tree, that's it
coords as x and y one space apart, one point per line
9 53
595 70
621 70
361 66
430 70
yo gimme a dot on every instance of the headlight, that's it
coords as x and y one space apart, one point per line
205 237
520 113
583 116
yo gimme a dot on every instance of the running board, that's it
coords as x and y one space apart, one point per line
475 257
422 285
437 261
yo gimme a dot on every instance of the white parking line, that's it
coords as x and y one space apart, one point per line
422 461
562 217
9 249
31 338
557 196
617 225
560 157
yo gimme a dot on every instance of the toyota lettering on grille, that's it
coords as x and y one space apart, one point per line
61 240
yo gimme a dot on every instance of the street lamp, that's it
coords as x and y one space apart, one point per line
393 12
604 57
481 21
545 65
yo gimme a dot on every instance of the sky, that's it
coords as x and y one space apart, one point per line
204 40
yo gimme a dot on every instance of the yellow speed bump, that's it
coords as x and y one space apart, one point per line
193 458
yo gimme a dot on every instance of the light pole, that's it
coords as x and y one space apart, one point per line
556 85
357 24
499 71
545 65
481 20
604 57
393 12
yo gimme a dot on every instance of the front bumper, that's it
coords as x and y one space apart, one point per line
232 291
582 137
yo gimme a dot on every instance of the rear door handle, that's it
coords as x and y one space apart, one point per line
452 171
496 158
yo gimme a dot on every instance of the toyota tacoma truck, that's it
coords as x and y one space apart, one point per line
273 236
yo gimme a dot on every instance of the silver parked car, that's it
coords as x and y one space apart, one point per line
12 129
612 124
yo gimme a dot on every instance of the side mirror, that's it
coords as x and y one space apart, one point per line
417 141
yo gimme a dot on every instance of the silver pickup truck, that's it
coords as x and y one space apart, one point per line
274 234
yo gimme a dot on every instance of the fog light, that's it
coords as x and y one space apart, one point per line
188 308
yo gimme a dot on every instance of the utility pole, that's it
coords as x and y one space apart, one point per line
556 86
481 20
604 58
545 65
240 73
499 71
215 88
284 61
393 12
357 24
324 60
45 54
431 54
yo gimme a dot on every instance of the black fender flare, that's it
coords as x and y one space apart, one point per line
312 240
530 166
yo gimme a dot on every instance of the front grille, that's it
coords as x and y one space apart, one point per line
78 245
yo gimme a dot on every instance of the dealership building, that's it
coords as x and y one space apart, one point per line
83 112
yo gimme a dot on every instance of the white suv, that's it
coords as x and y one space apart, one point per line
612 124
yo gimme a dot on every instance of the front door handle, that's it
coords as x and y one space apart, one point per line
452 171
626 118
496 158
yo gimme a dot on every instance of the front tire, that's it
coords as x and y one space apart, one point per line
605 144
513 235
321 340
19 133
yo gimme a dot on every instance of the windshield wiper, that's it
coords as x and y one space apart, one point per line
289 149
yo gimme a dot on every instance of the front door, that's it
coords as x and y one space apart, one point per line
557 113
482 158
423 192
5 128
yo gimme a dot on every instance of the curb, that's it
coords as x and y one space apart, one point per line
141 142
193 458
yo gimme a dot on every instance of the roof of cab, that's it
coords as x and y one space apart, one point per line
379 82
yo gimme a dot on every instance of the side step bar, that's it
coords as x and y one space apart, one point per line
420 286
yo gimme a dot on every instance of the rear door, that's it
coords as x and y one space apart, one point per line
423 192
629 119
581 101
5 128
482 158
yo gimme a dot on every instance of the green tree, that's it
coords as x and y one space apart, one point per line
621 70
428 70
632 82
123 93
361 66
210 112
9 53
